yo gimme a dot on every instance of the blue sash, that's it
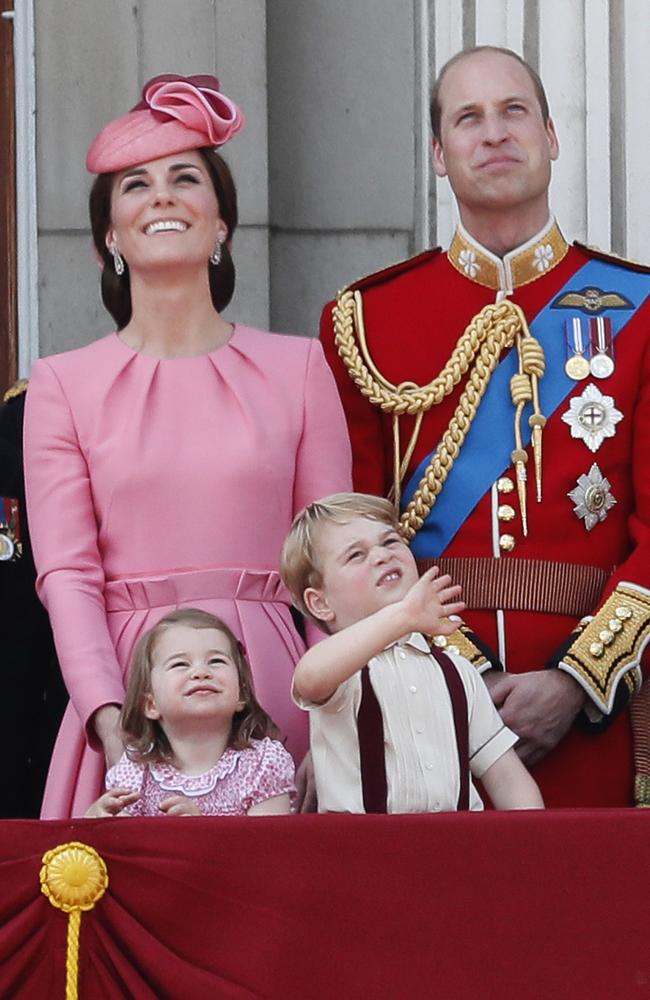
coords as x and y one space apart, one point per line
485 454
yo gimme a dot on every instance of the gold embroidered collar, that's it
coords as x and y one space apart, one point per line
519 267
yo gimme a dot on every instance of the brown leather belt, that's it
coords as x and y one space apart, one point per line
555 588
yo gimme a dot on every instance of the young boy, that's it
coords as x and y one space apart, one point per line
395 725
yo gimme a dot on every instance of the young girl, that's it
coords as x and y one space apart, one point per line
198 742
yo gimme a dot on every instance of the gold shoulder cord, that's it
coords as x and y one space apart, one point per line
495 328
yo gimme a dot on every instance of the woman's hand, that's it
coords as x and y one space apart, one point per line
180 805
112 803
106 722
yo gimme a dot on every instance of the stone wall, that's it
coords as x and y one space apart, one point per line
333 167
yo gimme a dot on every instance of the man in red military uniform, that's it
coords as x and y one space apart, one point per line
501 393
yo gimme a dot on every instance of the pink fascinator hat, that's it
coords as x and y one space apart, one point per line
176 113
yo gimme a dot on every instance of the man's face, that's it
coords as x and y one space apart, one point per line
494 145
364 566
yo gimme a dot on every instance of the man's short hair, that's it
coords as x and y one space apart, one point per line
299 567
436 109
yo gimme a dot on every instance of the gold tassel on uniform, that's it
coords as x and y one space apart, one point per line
524 389
495 328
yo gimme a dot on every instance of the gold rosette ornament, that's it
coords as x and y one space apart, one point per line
73 877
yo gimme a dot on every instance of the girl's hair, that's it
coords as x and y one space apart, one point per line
146 738
116 291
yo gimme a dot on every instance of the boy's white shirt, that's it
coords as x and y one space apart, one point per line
420 745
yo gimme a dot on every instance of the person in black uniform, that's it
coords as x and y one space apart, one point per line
33 695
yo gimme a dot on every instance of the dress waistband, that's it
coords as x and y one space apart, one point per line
140 593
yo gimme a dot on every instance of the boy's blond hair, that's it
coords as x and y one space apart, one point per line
299 566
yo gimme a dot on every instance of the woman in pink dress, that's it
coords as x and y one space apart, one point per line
165 462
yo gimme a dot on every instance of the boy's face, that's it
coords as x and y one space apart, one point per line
365 565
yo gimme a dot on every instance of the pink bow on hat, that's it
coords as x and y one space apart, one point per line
197 102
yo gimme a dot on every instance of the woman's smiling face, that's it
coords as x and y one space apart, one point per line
165 213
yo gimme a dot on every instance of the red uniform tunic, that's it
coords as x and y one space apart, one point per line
414 314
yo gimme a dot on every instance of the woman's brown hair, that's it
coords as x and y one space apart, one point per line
116 291
145 738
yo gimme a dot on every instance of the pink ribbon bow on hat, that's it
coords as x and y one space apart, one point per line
196 102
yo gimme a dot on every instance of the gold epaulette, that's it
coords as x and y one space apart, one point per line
17 389
608 649
459 643
613 258
392 271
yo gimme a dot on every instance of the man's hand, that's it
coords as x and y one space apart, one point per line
112 803
179 805
539 707
430 602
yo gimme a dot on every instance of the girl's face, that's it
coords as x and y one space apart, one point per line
165 213
193 678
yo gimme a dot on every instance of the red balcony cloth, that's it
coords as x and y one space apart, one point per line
525 905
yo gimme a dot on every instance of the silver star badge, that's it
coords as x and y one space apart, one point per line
592 417
592 497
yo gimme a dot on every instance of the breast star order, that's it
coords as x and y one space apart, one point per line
592 417
592 497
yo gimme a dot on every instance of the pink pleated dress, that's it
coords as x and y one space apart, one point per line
157 483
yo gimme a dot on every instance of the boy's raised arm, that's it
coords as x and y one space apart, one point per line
331 662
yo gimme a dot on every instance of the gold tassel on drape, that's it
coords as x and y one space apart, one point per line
74 878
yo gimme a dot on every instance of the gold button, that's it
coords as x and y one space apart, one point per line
505 485
507 543
440 641
596 649
506 512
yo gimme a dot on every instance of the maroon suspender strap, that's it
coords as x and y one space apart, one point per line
370 727
458 698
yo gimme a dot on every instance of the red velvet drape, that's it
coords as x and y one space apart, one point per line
499 905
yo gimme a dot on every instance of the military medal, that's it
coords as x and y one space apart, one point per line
577 366
592 497
10 544
602 347
7 547
592 417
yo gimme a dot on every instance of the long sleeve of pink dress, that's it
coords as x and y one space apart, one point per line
159 483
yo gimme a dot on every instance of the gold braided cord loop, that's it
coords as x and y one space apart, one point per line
74 878
409 397
532 357
476 354
441 464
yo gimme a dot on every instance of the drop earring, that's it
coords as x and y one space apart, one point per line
118 261
215 256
